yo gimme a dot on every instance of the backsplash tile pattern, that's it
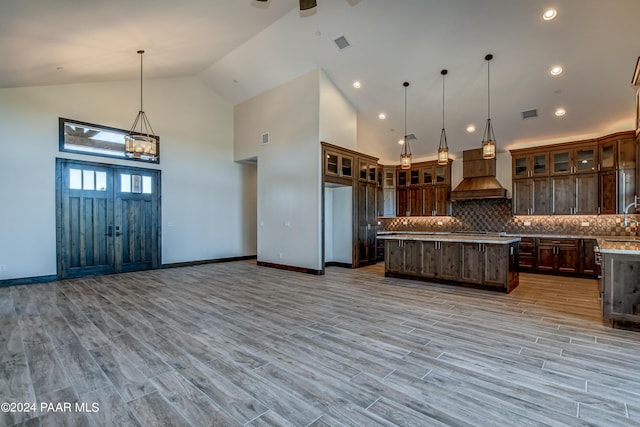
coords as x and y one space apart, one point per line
494 215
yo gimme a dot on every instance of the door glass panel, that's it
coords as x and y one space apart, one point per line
364 168
332 163
561 162
125 183
427 178
372 173
75 179
87 180
586 160
606 157
146 185
402 178
539 164
101 181
415 177
440 174
346 166
136 181
521 166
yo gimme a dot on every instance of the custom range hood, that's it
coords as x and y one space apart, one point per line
479 178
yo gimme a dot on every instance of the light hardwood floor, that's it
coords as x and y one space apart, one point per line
237 344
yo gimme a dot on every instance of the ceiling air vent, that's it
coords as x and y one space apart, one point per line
342 42
265 138
529 114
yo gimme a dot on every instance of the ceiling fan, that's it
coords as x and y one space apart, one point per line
304 4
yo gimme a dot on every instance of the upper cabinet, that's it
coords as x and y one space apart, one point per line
337 164
424 189
581 177
582 159
530 165
368 170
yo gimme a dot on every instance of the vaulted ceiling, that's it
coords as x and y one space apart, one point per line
242 48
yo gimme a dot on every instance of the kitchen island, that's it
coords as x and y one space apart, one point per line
620 285
479 260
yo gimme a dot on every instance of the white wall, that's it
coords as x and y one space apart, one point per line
201 185
338 117
289 180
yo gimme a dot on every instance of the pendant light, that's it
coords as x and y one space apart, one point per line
443 149
489 138
141 143
405 154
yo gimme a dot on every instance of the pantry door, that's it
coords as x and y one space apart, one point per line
107 218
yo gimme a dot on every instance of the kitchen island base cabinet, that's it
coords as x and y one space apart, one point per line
621 290
485 265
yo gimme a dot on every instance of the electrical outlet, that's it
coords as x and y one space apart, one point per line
440 223
280 255
3 268
527 223
584 224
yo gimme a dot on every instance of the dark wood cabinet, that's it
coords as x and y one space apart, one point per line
582 158
620 284
423 190
484 264
608 189
588 264
441 260
586 202
435 199
473 263
575 194
596 176
403 257
366 250
337 164
527 251
531 196
560 255
530 165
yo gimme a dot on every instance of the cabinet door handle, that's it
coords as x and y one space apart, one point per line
553 196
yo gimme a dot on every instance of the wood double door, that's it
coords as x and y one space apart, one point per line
107 218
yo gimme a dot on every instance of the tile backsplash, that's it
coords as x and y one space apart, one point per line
494 215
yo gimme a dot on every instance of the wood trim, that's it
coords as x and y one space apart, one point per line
207 261
338 264
28 280
291 268
562 145
348 151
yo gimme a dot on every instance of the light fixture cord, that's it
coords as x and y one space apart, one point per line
405 120
141 81
488 89
443 101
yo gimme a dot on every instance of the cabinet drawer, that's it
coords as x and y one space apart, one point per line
557 242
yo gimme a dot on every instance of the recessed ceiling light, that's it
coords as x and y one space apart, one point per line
356 84
561 112
401 141
471 128
382 116
556 70
549 14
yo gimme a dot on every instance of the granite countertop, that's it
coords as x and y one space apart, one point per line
451 237
619 245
